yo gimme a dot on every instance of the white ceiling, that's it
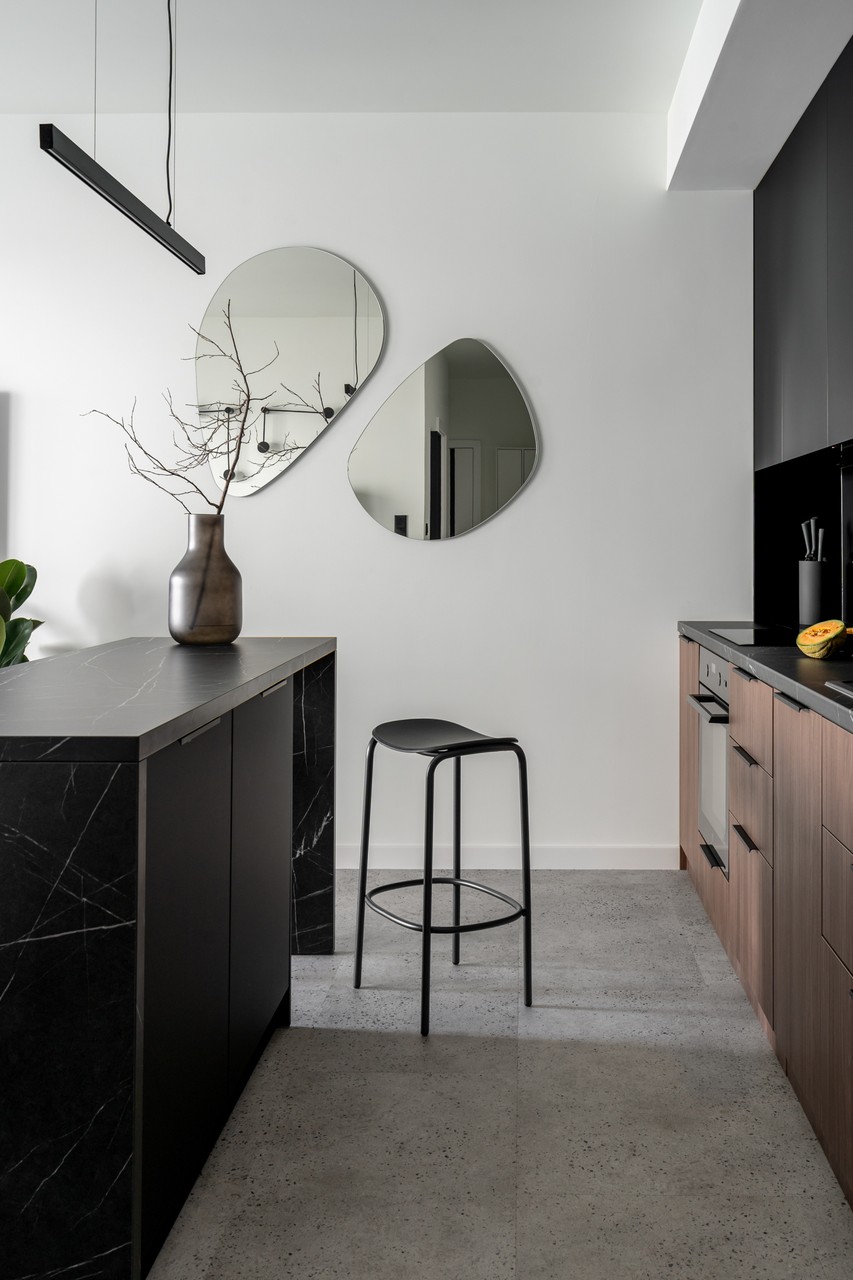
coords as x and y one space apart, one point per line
345 55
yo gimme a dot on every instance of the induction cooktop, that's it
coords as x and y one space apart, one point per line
747 633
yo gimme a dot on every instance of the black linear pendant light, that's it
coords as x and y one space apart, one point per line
56 144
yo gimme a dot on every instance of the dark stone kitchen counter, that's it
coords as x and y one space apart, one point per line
128 699
784 668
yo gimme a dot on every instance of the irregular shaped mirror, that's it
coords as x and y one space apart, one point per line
308 330
451 447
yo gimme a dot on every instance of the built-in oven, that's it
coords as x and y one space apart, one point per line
712 705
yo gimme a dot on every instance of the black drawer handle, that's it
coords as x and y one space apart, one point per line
744 755
745 838
744 675
709 708
713 857
282 684
196 733
790 702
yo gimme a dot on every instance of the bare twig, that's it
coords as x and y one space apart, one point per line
222 431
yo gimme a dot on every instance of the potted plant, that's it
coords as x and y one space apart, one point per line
16 583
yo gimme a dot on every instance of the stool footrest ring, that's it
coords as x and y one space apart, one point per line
518 909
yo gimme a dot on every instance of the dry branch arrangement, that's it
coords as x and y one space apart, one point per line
220 436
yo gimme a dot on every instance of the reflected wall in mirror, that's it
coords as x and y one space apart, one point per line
310 328
449 449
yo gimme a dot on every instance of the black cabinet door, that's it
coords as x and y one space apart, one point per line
183 1046
803 289
840 246
260 872
768 257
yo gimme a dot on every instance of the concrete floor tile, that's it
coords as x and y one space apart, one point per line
634 1123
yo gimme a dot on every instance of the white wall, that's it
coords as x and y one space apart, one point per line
624 311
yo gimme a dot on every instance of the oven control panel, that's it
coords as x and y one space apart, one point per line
714 674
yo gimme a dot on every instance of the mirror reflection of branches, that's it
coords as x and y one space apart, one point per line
449 449
310 328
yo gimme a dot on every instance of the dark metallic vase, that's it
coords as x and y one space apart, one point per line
205 589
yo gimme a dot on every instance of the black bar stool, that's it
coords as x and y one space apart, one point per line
443 740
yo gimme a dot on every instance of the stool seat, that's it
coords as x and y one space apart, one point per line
430 737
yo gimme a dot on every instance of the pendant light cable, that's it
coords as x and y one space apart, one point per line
95 91
169 131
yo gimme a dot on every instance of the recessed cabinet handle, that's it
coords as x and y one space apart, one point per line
744 675
744 755
711 854
275 688
789 702
744 837
709 708
196 733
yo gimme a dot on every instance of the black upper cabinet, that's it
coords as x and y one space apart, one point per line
790 232
840 247
768 259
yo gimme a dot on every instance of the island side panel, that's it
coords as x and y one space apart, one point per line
313 895
67 981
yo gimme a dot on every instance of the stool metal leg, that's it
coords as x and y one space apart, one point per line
525 876
457 850
362 870
426 920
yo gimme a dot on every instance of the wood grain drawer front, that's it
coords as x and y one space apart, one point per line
751 798
751 716
837 916
836 1102
838 782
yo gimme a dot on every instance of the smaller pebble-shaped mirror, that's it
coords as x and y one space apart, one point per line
449 449
309 330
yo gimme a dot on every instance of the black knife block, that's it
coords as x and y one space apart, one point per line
814 591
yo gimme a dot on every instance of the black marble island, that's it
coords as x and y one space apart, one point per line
150 797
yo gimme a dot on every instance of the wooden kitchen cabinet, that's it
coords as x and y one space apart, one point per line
836 1044
751 798
797 897
688 750
751 890
751 716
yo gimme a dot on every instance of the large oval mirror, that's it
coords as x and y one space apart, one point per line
451 447
307 332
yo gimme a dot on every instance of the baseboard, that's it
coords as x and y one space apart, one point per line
556 857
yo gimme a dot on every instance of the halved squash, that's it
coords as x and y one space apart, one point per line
823 639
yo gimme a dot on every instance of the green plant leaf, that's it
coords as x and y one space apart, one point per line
2 638
13 575
5 607
24 592
18 635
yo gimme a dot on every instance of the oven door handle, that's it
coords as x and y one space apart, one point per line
709 708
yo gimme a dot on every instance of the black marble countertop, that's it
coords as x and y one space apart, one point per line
783 667
130 698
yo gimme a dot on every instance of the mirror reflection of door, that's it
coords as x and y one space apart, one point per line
449 448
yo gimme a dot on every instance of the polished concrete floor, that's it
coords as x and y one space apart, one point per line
634 1123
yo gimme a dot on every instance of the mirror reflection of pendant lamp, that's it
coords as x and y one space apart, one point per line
56 144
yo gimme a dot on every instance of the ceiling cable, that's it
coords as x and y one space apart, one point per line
95 91
169 131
